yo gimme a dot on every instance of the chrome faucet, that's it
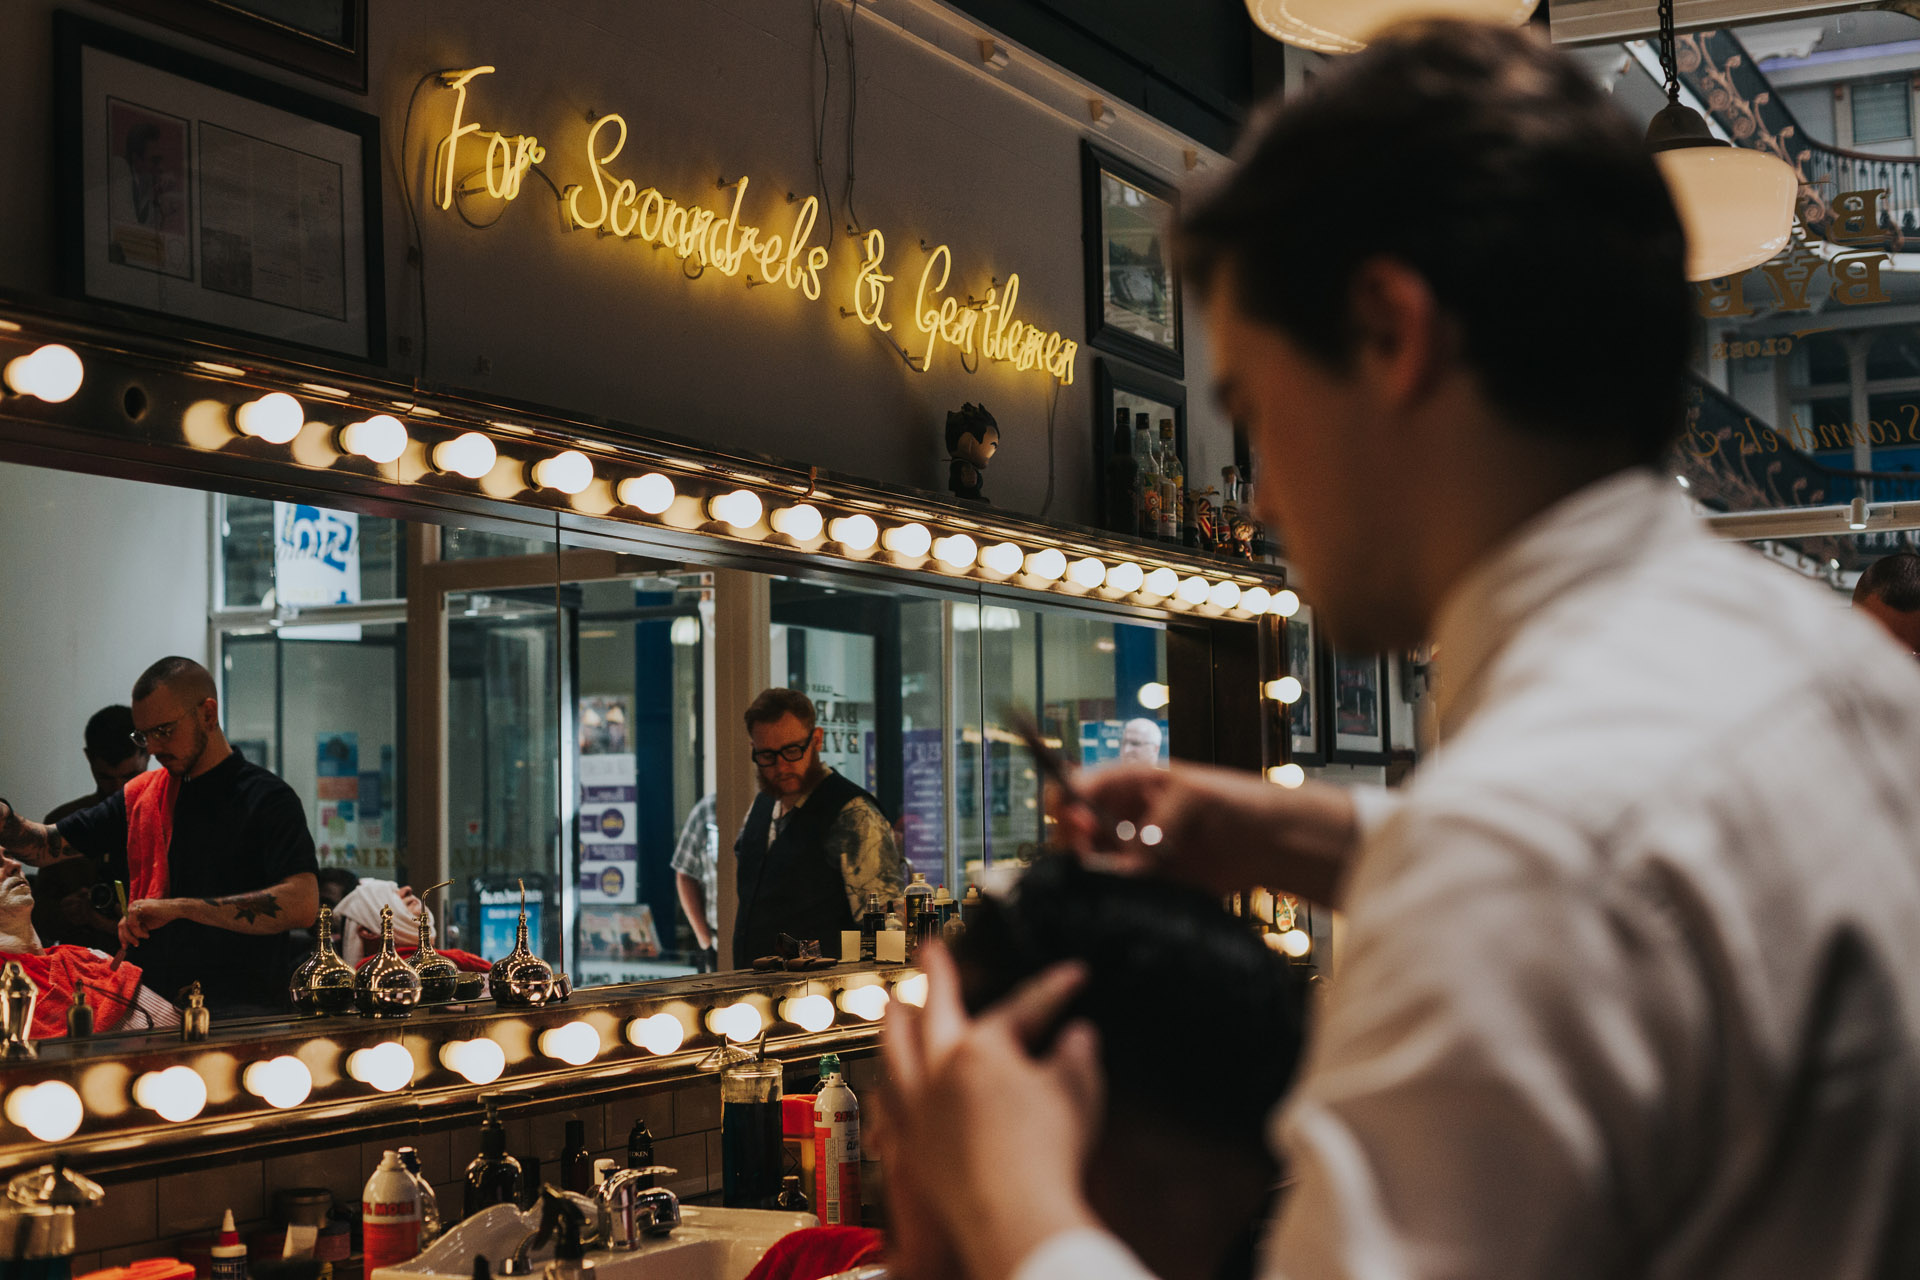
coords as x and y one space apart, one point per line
632 1211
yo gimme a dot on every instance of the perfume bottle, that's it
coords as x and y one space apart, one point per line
324 982
438 975
386 986
520 979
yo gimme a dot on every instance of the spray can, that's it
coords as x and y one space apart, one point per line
389 1215
229 1256
836 1149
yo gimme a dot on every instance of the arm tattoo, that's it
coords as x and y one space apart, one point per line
247 907
32 842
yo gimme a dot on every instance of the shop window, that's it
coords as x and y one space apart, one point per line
1882 112
1894 354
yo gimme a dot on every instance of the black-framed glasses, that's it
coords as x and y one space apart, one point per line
791 752
140 737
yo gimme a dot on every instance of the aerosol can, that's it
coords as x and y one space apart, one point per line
836 1154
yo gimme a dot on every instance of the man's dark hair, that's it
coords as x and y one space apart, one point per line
1894 580
1497 169
193 682
347 881
109 734
774 703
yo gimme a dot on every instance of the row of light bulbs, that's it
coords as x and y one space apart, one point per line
53 373
52 1111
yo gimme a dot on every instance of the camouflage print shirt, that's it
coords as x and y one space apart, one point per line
862 840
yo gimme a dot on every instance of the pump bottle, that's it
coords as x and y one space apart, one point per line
493 1176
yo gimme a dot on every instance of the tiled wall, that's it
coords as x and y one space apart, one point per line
142 1218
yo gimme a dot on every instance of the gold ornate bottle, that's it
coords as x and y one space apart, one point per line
438 975
324 982
386 986
520 979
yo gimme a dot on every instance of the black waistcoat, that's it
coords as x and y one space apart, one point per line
793 887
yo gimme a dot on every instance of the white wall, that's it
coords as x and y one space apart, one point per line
98 579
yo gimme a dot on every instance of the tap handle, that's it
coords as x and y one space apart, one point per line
655 1171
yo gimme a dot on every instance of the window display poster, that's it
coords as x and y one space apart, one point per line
498 902
923 802
838 677
316 561
609 817
336 768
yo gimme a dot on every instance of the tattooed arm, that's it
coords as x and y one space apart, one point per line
34 843
291 904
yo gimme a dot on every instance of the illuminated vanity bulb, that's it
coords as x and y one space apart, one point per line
956 551
381 438
685 632
1194 590
738 510
912 991
1296 942
1286 689
1087 573
737 1022
575 1044
1049 565
1285 604
471 455
809 1013
801 522
386 1066
869 1003
568 472
50 1110
1153 695
1003 558
52 373
651 493
1126 577
1254 600
280 1082
1224 595
176 1094
661 1034
907 540
275 417
1161 583
855 533
1286 775
475 1061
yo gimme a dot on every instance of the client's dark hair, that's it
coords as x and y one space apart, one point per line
109 734
1169 972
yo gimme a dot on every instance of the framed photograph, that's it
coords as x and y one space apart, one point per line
1303 717
1120 388
1354 716
191 191
1133 293
325 39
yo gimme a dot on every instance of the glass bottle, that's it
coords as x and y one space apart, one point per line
324 982
1173 483
1123 479
1150 495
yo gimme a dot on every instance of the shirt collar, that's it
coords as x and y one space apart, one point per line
218 776
1592 532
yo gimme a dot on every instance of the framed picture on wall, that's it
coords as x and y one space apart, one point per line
1119 387
1303 718
192 191
1354 715
1133 292
325 39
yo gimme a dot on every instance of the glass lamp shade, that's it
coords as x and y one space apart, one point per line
1345 26
1735 203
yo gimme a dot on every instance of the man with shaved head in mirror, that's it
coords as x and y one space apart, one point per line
220 859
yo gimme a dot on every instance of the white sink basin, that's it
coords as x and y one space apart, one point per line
709 1244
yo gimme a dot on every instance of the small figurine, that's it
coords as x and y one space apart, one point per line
972 438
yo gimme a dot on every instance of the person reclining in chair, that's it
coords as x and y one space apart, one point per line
119 1001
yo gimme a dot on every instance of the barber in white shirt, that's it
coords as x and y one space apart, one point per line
1631 978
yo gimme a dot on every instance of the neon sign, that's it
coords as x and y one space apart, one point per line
720 239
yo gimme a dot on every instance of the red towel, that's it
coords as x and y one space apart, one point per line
464 961
150 800
57 970
813 1252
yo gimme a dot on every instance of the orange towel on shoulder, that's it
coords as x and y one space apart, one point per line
150 798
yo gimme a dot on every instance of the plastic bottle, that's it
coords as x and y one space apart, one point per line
493 1176
836 1155
229 1255
918 906
389 1215
640 1149
576 1162
430 1224
872 920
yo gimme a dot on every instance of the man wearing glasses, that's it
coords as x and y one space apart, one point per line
218 854
814 844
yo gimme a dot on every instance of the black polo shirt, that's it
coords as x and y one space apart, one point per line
236 828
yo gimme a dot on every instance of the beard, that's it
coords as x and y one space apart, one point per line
808 782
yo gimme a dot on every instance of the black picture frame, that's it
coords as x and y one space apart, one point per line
1300 645
334 50
315 282
1347 684
1143 325
1117 384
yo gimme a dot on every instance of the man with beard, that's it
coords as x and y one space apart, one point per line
59 972
814 844
220 861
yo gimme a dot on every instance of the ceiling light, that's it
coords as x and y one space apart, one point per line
275 417
1857 514
381 438
470 454
1285 604
1003 558
956 551
738 510
651 493
1224 595
1153 695
855 533
1345 26
567 472
1126 578
809 1013
476 1061
177 1093
51 373
50 1110
1287 775
1161 583
869 1003
1086 573
1254 600
659 1035
1194 590
575 1044
386 1066
1286 689
801 522
1049 564
280 1082
907 540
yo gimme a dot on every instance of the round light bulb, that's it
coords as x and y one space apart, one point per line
801 522
476 1061
567 472
660 1035
910 540
1086 573
1126 578
737 1022
740 509
809 1013
855 533
50 1110
386 1066
869 1003
651 493
470 454
1225 595
1286 689
1161 583
685 631
51 373
1285 604
1003 558
1296 942
1254 600
1286 775
275 417
575 1044
912 991
176 1094
381 438
1345 26
1153 695
280 1082
1049 564
1194 590
956 551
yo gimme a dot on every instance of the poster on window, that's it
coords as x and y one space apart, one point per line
609 817
316 561
835 670
336 785
923 803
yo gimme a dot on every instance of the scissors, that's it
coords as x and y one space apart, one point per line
1055 769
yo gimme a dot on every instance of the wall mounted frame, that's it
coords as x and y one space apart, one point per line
328 43
1133 291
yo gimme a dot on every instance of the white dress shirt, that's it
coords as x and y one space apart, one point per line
1631 979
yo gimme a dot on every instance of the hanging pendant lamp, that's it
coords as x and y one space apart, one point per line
1345 26
1736 203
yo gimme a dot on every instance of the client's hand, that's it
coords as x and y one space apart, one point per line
987 1141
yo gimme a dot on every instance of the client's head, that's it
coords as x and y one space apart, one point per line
16 909
1199 1026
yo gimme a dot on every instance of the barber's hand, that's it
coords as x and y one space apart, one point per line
987 1140
143 917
